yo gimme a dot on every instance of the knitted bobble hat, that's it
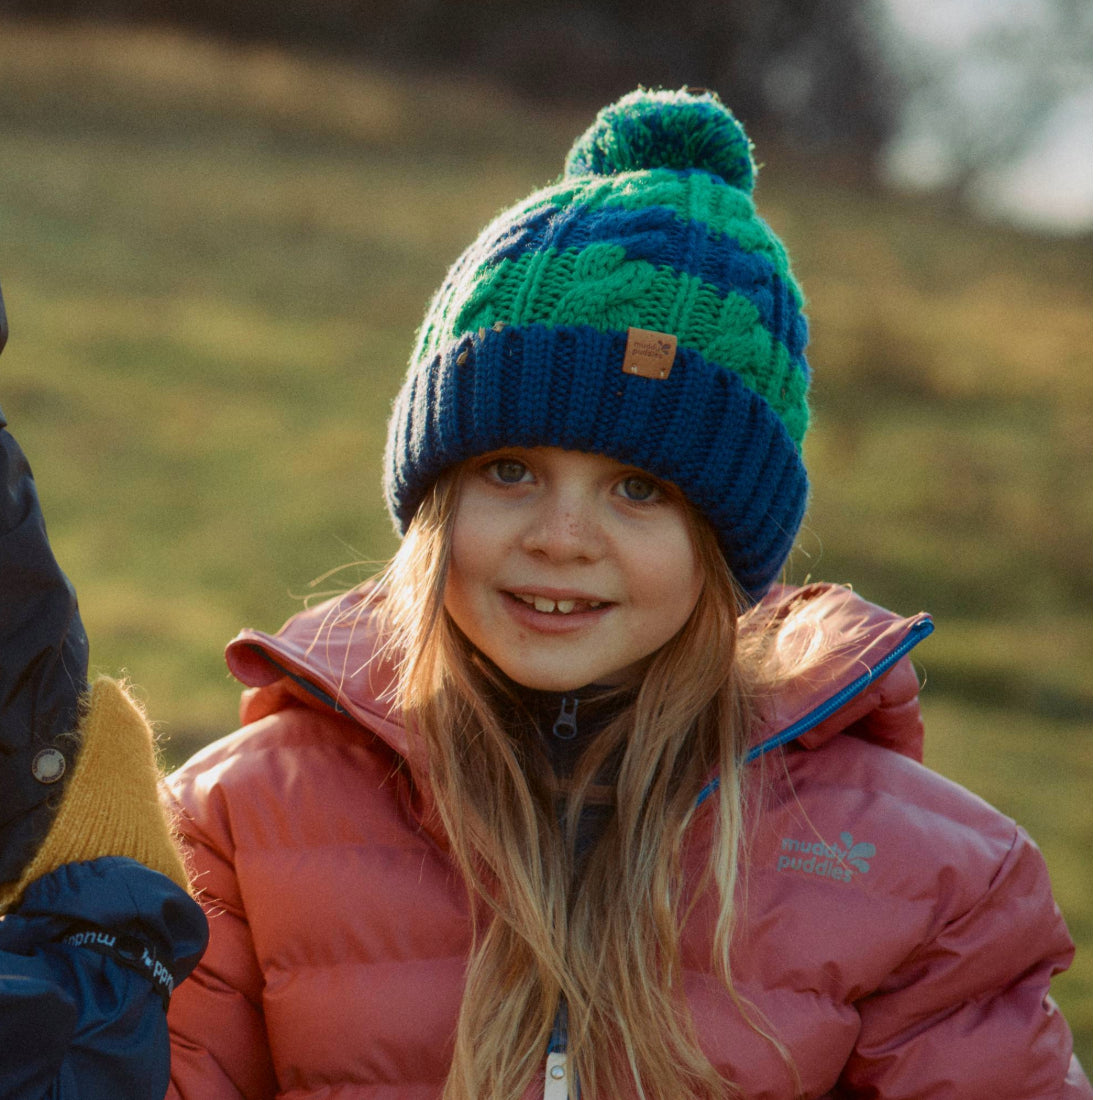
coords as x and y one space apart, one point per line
638 308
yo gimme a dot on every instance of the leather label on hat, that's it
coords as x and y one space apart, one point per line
649 353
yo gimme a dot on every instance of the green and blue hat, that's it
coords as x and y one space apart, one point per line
638 308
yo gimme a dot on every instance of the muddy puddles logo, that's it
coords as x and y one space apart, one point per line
837 862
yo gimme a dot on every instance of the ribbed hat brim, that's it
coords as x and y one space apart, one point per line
563 386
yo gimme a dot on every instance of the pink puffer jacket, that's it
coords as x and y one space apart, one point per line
899 934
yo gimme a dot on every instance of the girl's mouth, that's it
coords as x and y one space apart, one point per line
557 607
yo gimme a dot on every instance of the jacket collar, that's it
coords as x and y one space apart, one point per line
851 672
852 675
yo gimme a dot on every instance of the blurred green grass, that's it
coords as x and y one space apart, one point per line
214 261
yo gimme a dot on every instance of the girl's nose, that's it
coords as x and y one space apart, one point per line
563 530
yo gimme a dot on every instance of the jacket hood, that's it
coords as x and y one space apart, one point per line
846 660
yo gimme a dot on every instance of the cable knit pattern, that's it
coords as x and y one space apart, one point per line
652 227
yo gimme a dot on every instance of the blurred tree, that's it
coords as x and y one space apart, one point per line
982 87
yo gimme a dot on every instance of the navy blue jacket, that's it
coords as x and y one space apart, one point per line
87 962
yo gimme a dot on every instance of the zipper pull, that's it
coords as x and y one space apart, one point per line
565 725
554 1086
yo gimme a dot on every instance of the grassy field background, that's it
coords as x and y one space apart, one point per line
214 260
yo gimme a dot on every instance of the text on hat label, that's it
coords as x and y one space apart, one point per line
649 353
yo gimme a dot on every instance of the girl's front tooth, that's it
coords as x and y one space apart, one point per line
565 606
543 604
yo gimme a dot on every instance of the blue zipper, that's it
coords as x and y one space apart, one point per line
560 1031
917 633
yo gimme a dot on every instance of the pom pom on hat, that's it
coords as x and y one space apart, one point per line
659 129
528 342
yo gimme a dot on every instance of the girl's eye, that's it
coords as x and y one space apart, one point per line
508 471
639 490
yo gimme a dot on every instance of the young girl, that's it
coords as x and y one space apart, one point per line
577 800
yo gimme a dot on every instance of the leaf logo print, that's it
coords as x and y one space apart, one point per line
856 855
838 863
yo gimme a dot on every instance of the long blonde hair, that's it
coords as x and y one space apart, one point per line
603 935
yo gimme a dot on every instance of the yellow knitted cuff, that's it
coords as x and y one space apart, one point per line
112 804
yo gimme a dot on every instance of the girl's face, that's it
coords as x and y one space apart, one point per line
568 568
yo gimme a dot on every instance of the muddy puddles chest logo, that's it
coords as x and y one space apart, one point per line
836 862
